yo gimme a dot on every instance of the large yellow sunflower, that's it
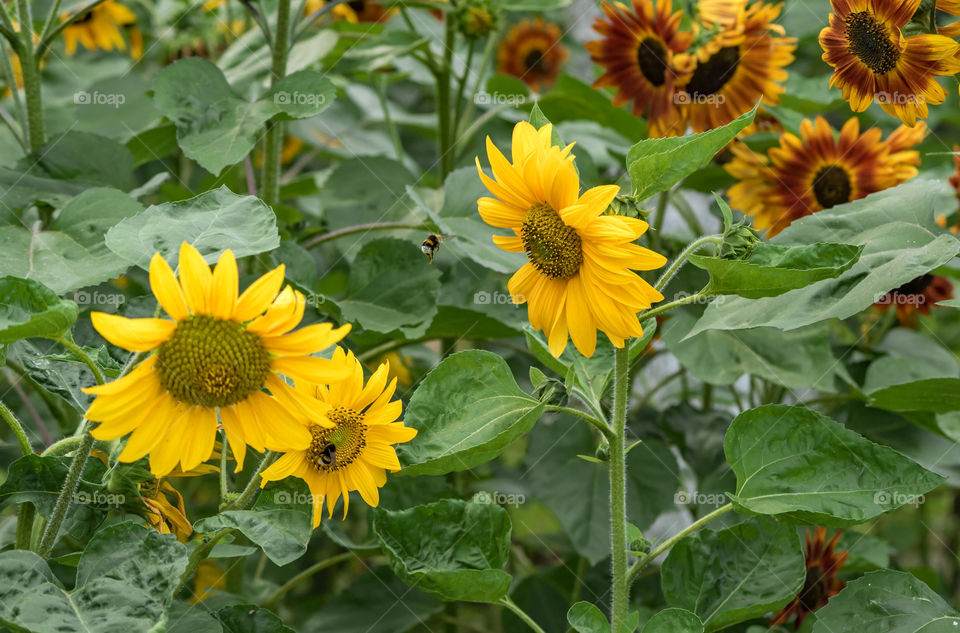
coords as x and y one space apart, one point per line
817 171
579 276
218 353
532 52
873 60
100 27
639 53
741 64
352 446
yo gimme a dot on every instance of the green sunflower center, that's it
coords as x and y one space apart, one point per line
211 362
712 75
337 447
535 60
552 247
869 40
650 58
831 186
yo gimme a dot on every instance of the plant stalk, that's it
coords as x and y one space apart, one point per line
29 67
618 490
273 143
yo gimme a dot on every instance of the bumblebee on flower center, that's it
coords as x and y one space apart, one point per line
337 447
552 247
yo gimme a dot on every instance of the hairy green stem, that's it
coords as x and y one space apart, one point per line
62 447
29 67
198 555
273 143
224 478
667 544
520 613
660 309
52 530
461 84
599 424
25 512
618 490
246 497
84 358
17 429
681 259
270 602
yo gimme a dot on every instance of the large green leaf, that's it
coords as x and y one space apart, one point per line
887 602
773 269
466 411
213 222
795 359
656 164
798 464
453 549
900 242
125 581
29 309
939 395
673 621
736 574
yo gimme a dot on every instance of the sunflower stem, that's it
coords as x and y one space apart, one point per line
684 255
30 71
241 502
270 602
520 613
198 555
84 358
66 495
17 428
599 424
380 85
660 309
443 99
25 512
667 544
224 483
63 446
481 73
273 143
618 491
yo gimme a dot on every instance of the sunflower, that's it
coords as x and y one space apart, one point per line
953 8
816 171
736 68
821 584
640 55
101 27
579 276
532 52
355 11
217 354
872 59
917 295
352 446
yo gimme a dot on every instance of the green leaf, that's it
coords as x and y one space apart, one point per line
213 222
773 269
586 617
280 522
30 309
381 52
887 601
657 164
391 286
62 373
454 549
303 94
538 119
249 618
125 581
798 464
939 395
466 411
737 574
673 621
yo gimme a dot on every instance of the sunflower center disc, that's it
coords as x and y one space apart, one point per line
713 74
831 186
212 363
552 247
334 448
534 60
650 59
869 40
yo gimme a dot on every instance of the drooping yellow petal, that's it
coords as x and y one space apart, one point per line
136 335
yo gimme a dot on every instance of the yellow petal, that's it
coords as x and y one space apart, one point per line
306 340
166 289
223 289
136 335
257 298
195 279
311 369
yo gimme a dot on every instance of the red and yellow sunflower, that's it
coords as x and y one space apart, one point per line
916 296
532 52
821 583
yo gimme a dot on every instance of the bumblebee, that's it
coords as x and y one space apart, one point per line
328 456
430 246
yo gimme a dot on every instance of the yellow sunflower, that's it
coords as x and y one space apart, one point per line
100 27
218 353
737 67
355 11
579 277
352 446
532 52
817 171
640 55
953 8
873 60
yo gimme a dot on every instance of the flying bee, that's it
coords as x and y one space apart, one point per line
328 456
430 246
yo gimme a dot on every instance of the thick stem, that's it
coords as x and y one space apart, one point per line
667 544
273 143
663 307
520 613
198 555
599 424
84 358
681 259
618 490
66 496
26 511
17 429
224 477
306 573
241 502
64 446
30 70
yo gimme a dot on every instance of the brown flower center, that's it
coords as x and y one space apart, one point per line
535 60
814 593
552 247
831 186
869 40
915 286
712 75
650 58
211 362
337 447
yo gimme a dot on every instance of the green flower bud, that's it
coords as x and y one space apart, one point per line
627 206
738 242
477 18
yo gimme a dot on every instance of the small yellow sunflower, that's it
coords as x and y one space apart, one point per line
532 52
218 353
640 55
873 60
352 446
737 67
579 277
101 27
817 171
